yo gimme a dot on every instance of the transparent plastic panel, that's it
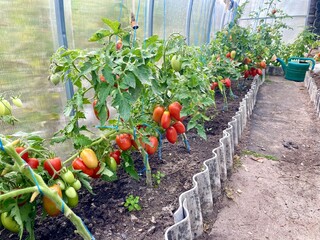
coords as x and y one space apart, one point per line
85 18
219 11
27 43
298 10
199 21
174 17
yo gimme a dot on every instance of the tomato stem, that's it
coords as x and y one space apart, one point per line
17 192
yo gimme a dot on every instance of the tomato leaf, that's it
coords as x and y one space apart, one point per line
114 25
81 140
130 80
143 74
85 180
102 33
128 165
122 102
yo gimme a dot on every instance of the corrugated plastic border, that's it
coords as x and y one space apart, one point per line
196 204
314 92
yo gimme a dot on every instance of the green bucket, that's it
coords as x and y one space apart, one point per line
297 68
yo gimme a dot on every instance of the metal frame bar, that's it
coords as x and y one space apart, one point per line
150 20
62 38
188 20
270 17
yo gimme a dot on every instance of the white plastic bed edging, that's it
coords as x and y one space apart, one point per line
314 92
196 204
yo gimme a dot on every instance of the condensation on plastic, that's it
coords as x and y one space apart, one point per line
297 10
196 204
314 92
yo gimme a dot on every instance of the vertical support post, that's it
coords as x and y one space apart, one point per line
188 20
62 38
210 20
150 21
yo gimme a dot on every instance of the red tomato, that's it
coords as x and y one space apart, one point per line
119 44
116 155
157 114
151 149
171 134
263 64
180 128
177 104
227 82
246 73
25 155
165 120
96 112
259 71
95 171
102 78
174 109
228 55
78 164
33 163
56 164
124 141
214 85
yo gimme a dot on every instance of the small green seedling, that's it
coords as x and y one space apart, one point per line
132 203
157 178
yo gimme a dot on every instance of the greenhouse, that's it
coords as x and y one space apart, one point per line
160 119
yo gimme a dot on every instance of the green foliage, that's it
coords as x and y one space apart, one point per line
132 203
157 178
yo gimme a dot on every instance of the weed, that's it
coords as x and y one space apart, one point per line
132 203
255 154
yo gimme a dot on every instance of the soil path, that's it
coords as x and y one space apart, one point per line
268 199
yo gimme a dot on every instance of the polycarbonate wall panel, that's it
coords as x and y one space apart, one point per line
27 42
199 21
298 10
85 17
174 17
219 10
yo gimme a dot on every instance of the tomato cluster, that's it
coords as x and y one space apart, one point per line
170 120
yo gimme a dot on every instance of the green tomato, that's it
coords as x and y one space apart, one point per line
9 223
246 67
55 78
233 54
17 101
73 202
76 185
176 63
5 107
61 184
71 192
68 177
2 109
112 164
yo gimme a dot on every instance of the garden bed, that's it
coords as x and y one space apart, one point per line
104 213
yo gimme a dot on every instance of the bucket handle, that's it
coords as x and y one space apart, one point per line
306 59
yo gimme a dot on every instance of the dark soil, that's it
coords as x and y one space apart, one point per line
104 214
